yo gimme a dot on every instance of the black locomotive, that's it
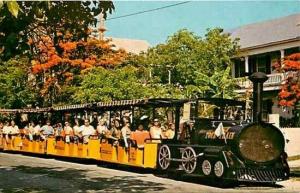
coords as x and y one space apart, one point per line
225 149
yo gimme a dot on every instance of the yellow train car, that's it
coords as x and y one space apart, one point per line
12 143
103 149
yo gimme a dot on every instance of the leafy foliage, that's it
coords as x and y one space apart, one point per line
101 84
201 66
290 91
15 92
36 19
57 70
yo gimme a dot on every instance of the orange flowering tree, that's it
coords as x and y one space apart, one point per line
290 91
57 67
23 21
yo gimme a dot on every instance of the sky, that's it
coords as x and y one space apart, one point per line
196 16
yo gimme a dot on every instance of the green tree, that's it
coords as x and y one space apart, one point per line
101 84
201 66
15 91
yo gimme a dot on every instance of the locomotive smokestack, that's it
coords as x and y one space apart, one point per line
258 79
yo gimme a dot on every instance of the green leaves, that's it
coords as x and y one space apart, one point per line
15 91
201 66
123 83
13 7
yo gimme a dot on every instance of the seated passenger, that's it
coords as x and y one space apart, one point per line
170 132
77 131
46 130
87 130
58 129
125 131
163 132
29 130
10 130
140 135
156 130
6 130
36 131
14 128
68 132
102 128
115 131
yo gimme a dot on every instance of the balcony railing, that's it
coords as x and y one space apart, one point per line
274 80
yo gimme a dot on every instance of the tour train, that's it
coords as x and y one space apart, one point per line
207 141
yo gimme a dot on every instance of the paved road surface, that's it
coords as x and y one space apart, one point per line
19 173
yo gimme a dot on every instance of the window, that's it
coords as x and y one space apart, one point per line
260 63
239 68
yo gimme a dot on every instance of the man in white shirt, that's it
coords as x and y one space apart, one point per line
14 128
46 130
87 130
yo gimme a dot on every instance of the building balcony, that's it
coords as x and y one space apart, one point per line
273 83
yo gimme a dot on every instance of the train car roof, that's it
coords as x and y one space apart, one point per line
156 102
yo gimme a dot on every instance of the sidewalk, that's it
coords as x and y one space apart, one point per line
295 164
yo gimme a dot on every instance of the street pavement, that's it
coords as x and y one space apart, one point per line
20 173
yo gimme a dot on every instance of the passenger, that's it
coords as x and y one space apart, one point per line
6 130
156 130
102 128
46 130
170 133
29 130
36 130
77 131
94 121
140 135
125 131
58 129
163 132
68 132
87 130
14 128
115 131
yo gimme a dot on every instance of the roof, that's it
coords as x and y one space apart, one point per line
158 102
268 32
130 45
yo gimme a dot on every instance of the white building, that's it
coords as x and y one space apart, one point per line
262 44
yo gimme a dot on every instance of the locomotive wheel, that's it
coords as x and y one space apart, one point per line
206 167
219 169
189 162
164 157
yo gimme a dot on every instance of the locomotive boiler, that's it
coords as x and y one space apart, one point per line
227 148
